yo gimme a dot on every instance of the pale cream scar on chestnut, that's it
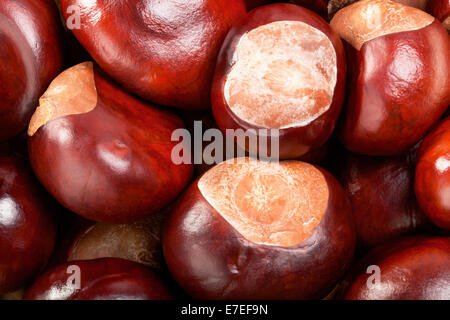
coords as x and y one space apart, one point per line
277 204
369 19
71 92
284 75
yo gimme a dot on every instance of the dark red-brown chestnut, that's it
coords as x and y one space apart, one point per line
31 55
164 51
27 224
101 152
441 10
381 191
282 68
416 268
249 229
432 181
419 4
99 279
398 65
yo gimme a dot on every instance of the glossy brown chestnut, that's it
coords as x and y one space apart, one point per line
27 224
101 152
164 51
432 181
282 68
441 10
415 268
381 191
100 279
249 229
138 241
31 55
399 62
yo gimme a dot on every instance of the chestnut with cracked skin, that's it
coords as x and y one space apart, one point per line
31 55
164 51
281 55
416 268
381 191
101 152
441 10
27 224
100 279
399 62
257 230
432 181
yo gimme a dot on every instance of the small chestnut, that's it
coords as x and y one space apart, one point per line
27 224
139 241
101 152
281 68
432 181
415 268
398 65
248 229
164 51
31 55
99 279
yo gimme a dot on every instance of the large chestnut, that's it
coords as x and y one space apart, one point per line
281 68
164 51
399 62
248 229
381 191
432 181
441 10
101 152
415 268
27 224
99 279
31 55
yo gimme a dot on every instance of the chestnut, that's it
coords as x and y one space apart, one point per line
99 279
139 241
416 268
326 8
27 224
282 68
101 152
441 10
164 51
249 229
381 191
432 181
398 65
31 55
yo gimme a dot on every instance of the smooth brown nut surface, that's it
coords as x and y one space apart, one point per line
399 61
283 69
256 230
99 279
27 224
164 51
409 269
101 152
31 55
